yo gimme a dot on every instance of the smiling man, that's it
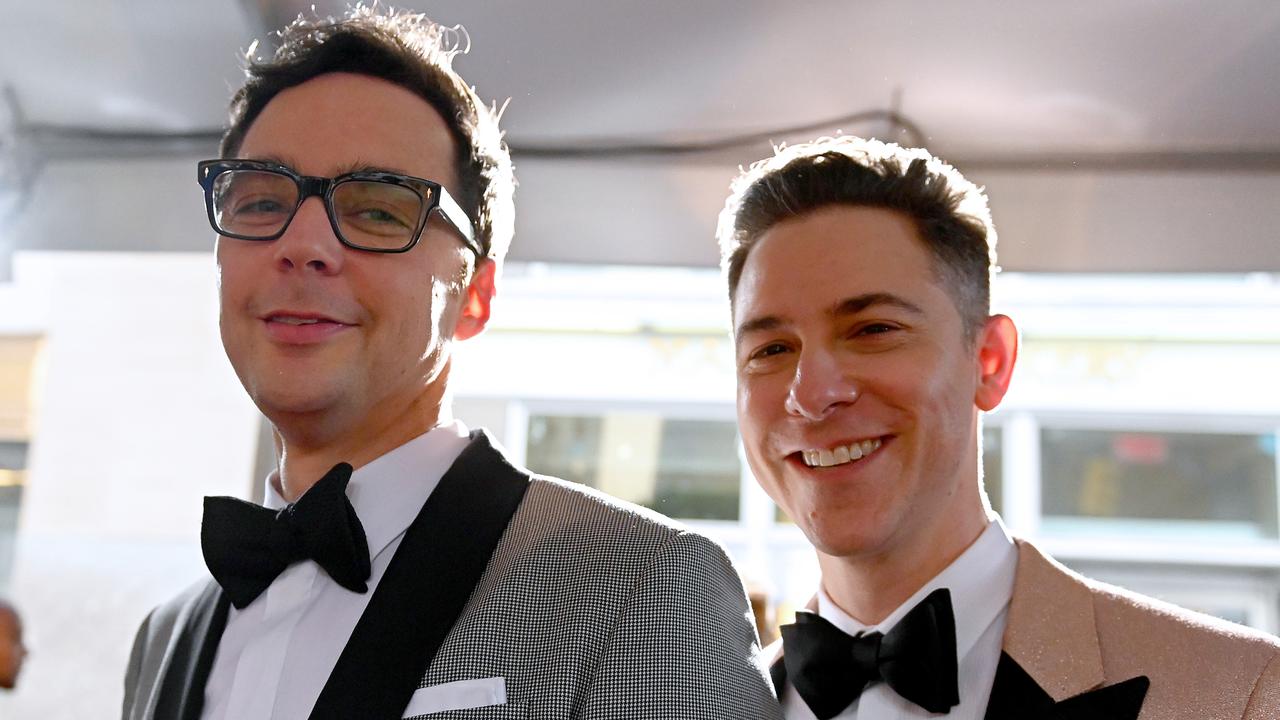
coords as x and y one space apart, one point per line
402 566
859 280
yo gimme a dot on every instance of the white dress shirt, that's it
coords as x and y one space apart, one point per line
276 654
981 584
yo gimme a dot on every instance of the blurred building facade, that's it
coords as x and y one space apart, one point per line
1138 443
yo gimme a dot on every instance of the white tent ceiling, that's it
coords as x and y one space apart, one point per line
1168 89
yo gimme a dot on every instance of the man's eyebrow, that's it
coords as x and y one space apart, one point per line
768 322
858 303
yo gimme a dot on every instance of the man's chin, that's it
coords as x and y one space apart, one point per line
281 404
848 539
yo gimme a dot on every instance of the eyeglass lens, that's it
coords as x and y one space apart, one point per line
369 214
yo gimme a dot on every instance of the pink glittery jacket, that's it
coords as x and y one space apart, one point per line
1077 649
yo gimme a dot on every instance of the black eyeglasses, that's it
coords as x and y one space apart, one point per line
375 211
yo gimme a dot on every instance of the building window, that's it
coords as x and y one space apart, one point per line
13 461
682 468
1184 485
19 358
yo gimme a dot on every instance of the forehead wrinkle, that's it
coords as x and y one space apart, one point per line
759 324
851 305
858 303
841 308
362 166
277 158
344 169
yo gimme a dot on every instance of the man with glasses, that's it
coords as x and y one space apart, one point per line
859 280
402 566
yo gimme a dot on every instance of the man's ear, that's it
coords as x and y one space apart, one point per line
997 349
476 299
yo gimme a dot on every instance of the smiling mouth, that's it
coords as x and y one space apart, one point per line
298 328
842 455
299 320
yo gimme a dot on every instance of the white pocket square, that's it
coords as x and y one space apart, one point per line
459 695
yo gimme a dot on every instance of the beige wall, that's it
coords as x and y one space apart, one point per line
140 416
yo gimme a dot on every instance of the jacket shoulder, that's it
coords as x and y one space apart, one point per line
1191 658
565 530
1118 607
1198 665
561 506
552 505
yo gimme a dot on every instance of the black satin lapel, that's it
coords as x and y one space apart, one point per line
182 690
426 585
1122 701
1017 696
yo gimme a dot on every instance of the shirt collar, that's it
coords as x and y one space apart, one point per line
388 492
981 585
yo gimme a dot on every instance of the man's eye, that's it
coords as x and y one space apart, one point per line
259 206
876 329
768 351
378 215
376 220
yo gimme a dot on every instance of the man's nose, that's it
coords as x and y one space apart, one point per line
309 243
821 385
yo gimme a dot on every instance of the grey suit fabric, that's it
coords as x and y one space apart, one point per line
595 609
156 644
589 608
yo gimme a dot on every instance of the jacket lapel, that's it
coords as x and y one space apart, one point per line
426 586
1016 696
1051 664
182 688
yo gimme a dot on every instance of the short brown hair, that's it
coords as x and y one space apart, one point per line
950 213
417 54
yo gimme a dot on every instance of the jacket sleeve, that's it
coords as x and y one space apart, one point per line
684 646
1264 701
133 673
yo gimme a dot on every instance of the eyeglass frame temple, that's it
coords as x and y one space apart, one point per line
451 210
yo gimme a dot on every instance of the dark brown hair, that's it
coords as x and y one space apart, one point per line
417 54
950 213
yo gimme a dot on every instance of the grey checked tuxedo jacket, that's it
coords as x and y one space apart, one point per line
586 606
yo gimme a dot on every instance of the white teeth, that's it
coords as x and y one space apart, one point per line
841 455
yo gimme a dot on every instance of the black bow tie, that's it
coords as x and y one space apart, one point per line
246 546
917 658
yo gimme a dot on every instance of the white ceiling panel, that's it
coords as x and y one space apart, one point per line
1173 82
